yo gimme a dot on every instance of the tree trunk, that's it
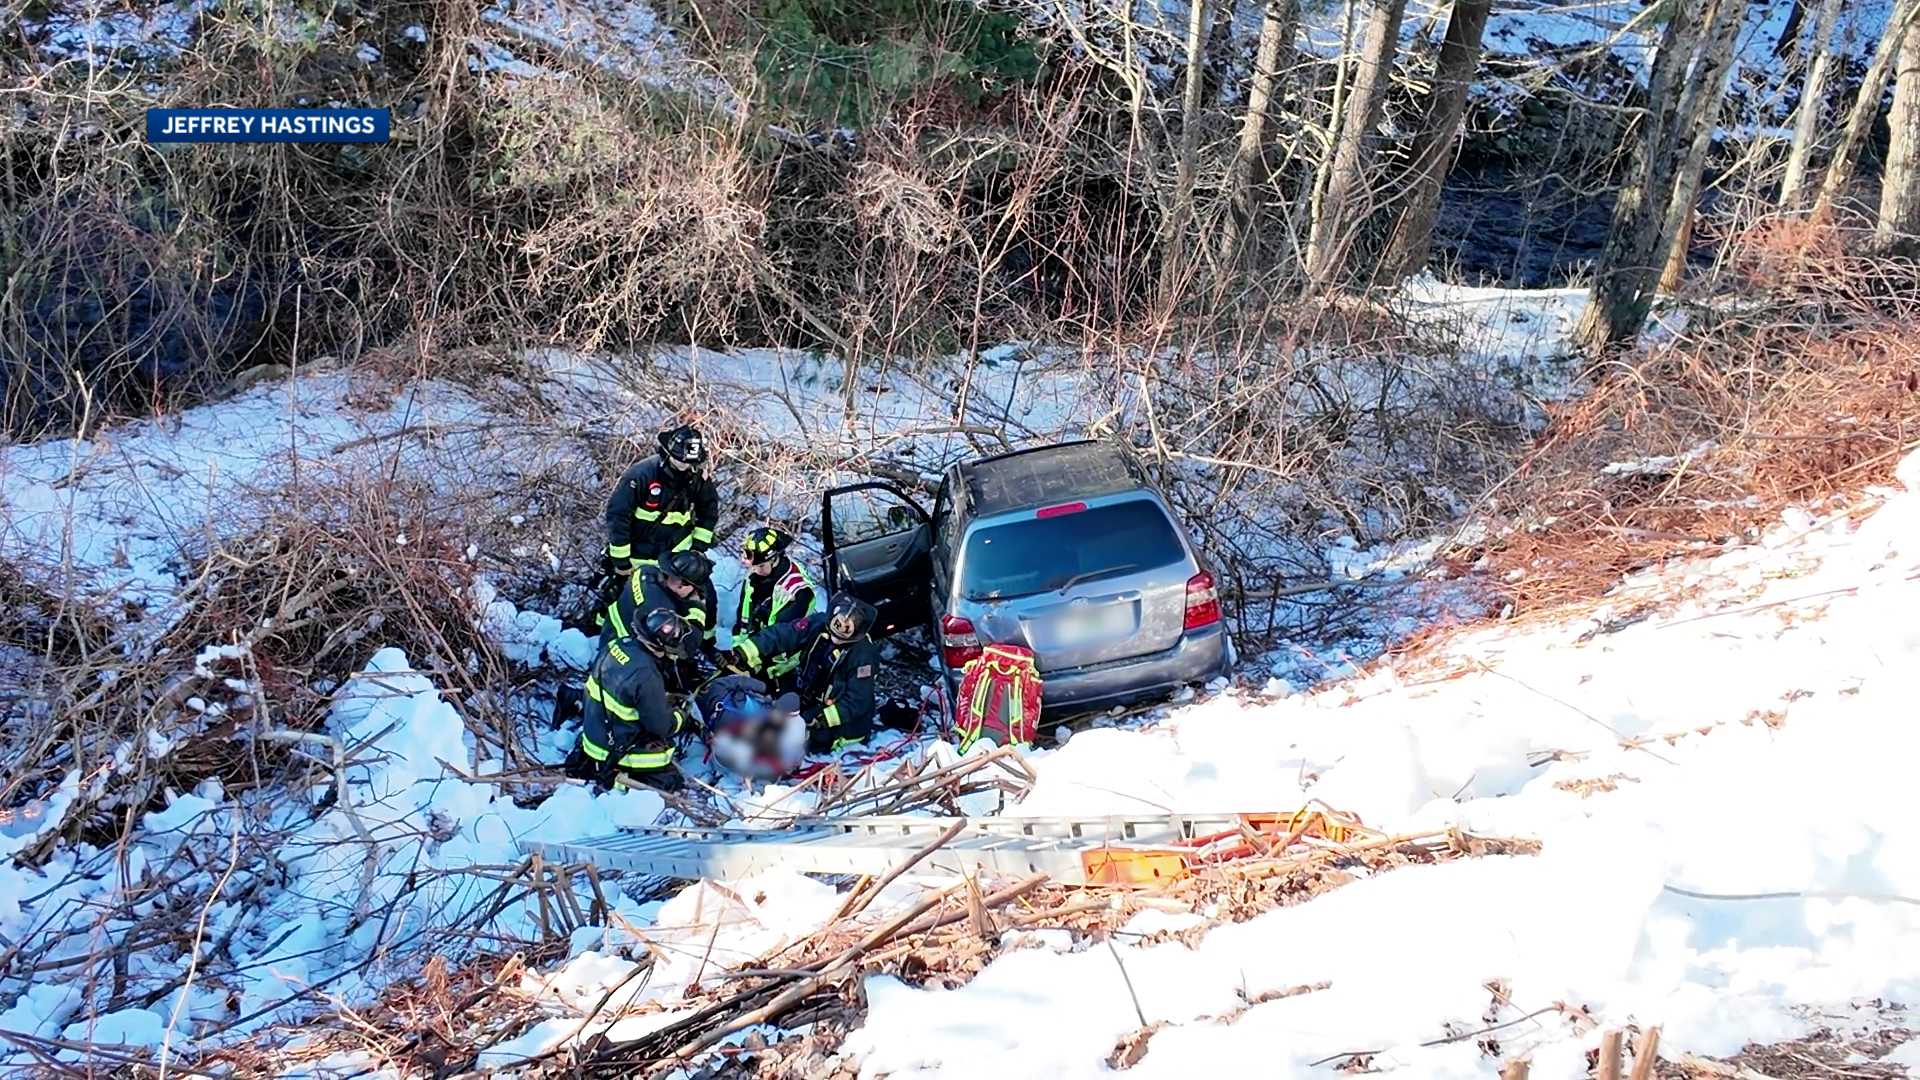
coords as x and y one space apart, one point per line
1807 117
1276 40
1334 225
1343 68
1865 108
1899 220
1624 275
1173 259
1433 147
1709 82
1220 51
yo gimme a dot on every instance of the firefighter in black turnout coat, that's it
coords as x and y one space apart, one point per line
682 583
662 505
835 675
628 725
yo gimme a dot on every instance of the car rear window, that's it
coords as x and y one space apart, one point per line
1041 554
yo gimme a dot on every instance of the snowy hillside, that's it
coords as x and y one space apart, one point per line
1711 761
1714 763
1720 785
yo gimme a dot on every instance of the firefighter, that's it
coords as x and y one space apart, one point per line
662 505
682 582
776 590
628 725
835 674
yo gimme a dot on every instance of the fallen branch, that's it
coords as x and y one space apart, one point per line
793 995
371 868
1721 1068
858 900
1443 1040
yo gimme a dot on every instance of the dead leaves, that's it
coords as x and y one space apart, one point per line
1132 1047
1594 785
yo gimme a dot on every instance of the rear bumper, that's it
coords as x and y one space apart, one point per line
1199 656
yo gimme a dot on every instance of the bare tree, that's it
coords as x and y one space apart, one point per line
1900 187
1276 39
1433 147
1807 117
1220 51
1710 81
1342 69
1625 273
1860 118
1173 263
1333 225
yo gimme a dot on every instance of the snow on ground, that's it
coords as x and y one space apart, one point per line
623 37
125 511
1556 28
340 888
1771 721
92 31
1770 701
359 875
1515 332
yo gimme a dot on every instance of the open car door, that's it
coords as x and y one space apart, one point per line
878 544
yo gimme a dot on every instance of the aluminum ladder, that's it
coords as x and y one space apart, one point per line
1121 849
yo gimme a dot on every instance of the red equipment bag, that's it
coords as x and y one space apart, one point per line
999 697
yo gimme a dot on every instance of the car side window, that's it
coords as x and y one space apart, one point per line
947 532
869 514
942 511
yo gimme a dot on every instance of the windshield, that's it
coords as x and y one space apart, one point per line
1021 558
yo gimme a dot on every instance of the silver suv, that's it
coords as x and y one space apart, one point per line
1068 549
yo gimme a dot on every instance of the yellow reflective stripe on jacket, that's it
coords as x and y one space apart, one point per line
619 551
612 704
702 535
677 517
647 759
749 650
592 749
645 514
842 744
638 759
830 715
696 615
613 609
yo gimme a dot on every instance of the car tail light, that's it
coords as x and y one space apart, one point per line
958 642
1203 601
1062 509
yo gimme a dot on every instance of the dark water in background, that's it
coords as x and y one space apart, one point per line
1495 228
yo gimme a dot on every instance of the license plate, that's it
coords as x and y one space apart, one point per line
1079 628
